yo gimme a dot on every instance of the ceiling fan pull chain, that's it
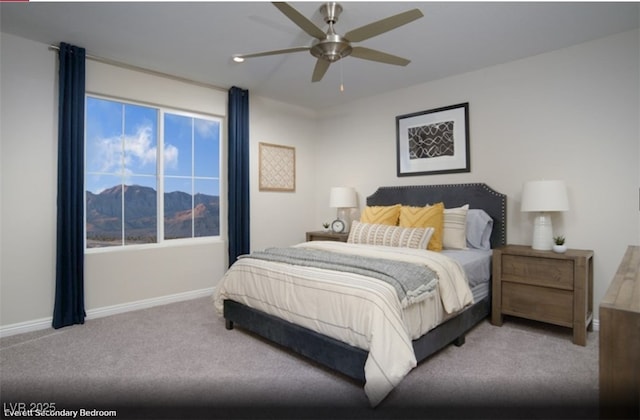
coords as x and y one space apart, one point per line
341 78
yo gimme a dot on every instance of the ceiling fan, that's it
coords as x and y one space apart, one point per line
330 47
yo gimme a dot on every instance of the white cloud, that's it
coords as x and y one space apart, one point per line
170 156
205 128
139 147
140 152
109 154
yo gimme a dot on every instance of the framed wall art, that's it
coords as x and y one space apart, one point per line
434 141
277 167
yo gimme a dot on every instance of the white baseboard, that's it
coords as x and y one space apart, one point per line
44 323
24 327
148 303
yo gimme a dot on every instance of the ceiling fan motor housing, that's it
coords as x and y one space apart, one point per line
332 48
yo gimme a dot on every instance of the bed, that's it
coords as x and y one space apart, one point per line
379 358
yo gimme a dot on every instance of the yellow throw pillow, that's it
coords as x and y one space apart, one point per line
381 215
427 216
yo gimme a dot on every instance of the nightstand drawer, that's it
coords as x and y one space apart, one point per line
326 236
542 304
329 238
547 272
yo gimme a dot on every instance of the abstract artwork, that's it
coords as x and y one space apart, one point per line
277 167
434 141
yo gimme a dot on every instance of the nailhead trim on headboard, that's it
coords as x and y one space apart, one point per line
477 195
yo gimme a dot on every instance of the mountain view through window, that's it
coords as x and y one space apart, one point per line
151 174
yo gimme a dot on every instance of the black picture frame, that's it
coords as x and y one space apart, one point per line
435 141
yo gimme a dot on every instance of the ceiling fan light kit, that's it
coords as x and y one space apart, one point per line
329 47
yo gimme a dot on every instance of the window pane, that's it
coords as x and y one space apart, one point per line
207 146
177 208
140 211
177 145
207 208
140 141
103 136
104 212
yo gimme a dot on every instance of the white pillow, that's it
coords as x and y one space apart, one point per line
387 235
455 228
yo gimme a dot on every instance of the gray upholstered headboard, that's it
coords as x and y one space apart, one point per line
478 196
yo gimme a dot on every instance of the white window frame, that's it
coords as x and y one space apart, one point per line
161 241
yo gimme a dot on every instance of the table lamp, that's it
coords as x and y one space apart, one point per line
342 198
544 197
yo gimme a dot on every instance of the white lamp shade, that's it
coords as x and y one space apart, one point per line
544 196
342 197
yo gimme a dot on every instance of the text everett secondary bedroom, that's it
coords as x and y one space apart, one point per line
355 221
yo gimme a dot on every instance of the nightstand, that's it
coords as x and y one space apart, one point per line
327 236
544 286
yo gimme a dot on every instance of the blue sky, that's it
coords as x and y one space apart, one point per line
191 146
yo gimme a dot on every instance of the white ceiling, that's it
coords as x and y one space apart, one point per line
196 40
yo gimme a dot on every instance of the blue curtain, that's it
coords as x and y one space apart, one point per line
238 117
69 298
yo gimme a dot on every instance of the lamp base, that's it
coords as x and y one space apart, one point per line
542 232
344 214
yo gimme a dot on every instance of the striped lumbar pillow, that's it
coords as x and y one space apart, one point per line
379 234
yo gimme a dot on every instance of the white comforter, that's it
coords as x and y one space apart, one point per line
361 311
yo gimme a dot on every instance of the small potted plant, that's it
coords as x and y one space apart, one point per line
325 226
559 245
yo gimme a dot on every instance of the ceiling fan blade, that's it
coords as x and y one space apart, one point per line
274 52
383 25
375 55
300 20
320 69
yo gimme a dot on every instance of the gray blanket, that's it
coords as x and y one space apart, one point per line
412 282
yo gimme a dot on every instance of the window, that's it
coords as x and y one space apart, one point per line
151 174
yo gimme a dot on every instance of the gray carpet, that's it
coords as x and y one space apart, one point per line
179 361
